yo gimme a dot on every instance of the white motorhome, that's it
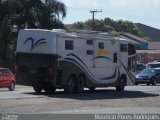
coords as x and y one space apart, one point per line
56 59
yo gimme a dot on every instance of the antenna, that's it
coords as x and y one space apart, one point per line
93 14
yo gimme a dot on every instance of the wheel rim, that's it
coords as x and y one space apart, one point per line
12 86
70 86
154 82
37 89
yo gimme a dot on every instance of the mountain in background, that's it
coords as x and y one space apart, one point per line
150 32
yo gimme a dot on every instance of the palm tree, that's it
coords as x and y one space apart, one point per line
39 14
43 14
5 31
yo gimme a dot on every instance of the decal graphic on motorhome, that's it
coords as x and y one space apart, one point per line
103 52
35 43
101 57
83 66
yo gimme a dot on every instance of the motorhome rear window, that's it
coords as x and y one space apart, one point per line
123 48
69 44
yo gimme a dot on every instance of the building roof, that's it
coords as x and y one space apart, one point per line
134 38
150 32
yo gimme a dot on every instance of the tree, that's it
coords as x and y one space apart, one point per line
43 14
5 31
109 25
38 14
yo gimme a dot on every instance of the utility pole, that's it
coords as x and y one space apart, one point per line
93 14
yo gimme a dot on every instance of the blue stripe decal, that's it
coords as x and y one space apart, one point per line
74 61
88 71
33 43
104 57
80 61
112 76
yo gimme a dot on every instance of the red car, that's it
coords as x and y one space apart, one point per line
7 79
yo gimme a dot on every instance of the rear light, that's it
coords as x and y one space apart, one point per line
51 72
16 68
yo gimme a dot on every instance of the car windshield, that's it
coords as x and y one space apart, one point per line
148 71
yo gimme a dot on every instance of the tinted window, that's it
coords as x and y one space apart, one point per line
1 73
129 63
6 72
148 71
123 48
115 57
89 52
69 45
101 45
33 62
131 49
89 42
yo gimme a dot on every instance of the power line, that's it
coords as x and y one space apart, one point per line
93 14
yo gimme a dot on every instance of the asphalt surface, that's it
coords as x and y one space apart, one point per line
135 99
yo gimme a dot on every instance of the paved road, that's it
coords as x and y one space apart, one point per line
135 99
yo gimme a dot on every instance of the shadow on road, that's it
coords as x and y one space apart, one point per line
99 94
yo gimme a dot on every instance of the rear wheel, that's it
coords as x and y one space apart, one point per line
153 81
122 83
148 83
49 90
12 86
37 89
79 87
92 89
70 85
136 83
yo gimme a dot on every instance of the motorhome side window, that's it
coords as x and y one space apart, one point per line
115 58
89 52
69 44
131 49
101 45
89 42
123 48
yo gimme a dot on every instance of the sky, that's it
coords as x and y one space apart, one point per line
138 11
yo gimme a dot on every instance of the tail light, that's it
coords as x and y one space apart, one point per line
16 68
51 72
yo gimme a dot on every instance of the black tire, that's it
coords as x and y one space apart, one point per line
70 87
148 83
92 89
37 89
122 83
153 82
135 83
80 83
49 90
12 86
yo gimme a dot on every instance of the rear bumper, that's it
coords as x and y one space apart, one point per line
30 79
143 81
